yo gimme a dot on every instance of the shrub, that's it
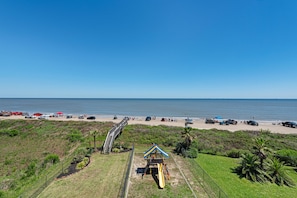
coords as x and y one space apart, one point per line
75 136
80 154
80 165
120 145
86 160
10 133
116 150
288 156
51 158
192 153
169 142
31 169
83 163
236 153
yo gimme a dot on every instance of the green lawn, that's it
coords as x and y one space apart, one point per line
220 169
102 178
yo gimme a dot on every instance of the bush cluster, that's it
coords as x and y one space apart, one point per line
80 153
75 136
237 153
51 158
120 146
287 156
83 163
263 166
9 132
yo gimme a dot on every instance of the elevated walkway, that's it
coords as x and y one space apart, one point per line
113 134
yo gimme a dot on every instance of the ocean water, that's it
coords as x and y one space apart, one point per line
242 109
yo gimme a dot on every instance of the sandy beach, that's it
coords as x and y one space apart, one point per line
273 127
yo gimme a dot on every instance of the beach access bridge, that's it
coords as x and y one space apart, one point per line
114 132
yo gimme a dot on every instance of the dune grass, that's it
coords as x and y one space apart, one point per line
28 142
220 169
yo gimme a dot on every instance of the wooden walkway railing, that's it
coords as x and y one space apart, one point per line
113 134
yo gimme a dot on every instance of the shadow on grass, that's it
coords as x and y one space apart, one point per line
149 171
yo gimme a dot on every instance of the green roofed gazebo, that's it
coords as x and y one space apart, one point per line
154 151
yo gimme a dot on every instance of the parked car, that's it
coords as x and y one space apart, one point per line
290 124
69 116
81 117
252 122
148 118
230 121
91 118
224 122
115 117
30 116
209 121
188 121
43 117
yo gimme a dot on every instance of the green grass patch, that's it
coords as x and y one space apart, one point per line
26 141
101 178
25 144
220 169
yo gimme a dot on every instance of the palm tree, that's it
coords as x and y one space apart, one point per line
278 173
94 133
261 150
181 147
188 137
250 168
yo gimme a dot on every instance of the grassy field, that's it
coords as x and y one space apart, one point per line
220 169
25 144
102 178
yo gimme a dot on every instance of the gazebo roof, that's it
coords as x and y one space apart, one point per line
155 149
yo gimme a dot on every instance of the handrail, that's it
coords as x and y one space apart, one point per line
112 134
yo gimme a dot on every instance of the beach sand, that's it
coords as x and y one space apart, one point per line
273 127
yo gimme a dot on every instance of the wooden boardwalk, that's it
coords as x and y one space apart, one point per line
113 134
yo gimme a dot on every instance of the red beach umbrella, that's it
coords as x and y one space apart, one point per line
59 113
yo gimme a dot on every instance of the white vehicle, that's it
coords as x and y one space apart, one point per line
30 116
44 117
188 121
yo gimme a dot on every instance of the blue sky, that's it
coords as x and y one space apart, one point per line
148 49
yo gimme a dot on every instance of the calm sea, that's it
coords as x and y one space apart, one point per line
243 109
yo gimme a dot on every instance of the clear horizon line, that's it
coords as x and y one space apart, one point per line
165 98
